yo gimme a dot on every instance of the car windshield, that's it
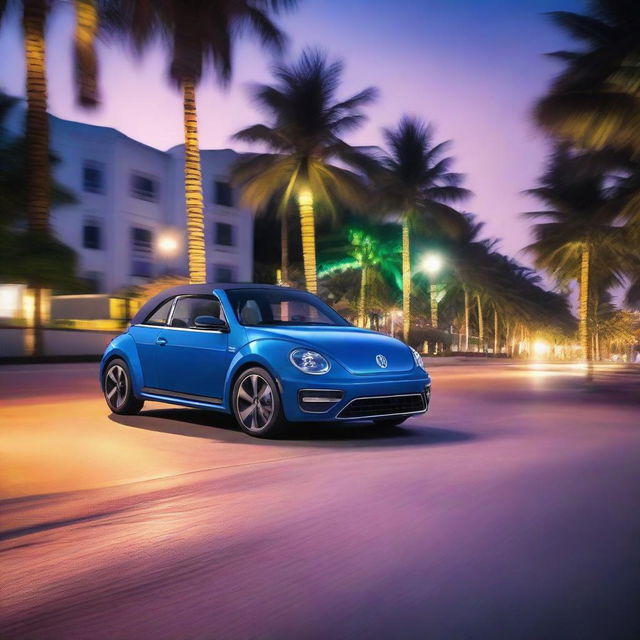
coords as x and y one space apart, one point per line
281 307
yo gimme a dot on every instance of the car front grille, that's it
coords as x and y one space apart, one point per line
376 406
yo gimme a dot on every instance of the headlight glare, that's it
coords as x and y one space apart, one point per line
417 358
309 361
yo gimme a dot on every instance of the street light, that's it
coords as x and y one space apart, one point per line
168 243
432 264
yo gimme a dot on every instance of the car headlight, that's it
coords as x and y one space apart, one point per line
309 361
417 358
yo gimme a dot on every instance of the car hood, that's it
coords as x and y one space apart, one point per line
355 349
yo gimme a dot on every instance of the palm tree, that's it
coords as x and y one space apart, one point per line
370 248
415 181
579 236
198 35
595 100
28 255
34 18
466 255
302 141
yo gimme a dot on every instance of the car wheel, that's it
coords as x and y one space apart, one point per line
256 403
118 390
390 422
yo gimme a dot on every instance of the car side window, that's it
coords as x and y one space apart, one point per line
189 308
159 316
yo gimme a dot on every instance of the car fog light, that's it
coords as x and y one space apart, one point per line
318 400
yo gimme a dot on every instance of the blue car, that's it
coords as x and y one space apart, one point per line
268 355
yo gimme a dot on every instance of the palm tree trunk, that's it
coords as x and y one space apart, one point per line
466 319
37 139
86 67
480 325
284 246
584 310
308 232
495 331
406 281
193 187
362 301
433 303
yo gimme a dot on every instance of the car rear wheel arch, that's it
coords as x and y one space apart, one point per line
126 403
108 361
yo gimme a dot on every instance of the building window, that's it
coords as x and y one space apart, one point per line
141 240
93 177
224 234
224 194
92 236
223 273
141 268
143 187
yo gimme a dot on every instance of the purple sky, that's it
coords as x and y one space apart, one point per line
473 67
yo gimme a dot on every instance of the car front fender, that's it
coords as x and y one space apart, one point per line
271 355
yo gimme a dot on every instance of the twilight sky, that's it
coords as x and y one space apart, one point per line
472 67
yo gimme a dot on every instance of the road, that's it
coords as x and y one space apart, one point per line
510 510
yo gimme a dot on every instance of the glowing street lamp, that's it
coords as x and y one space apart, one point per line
168 243
432 264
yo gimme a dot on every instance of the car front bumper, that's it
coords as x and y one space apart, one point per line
381 397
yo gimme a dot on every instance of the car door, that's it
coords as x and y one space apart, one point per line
192 362
146 336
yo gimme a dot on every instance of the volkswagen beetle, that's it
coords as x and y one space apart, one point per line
269 355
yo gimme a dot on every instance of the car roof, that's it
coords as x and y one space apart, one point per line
194 289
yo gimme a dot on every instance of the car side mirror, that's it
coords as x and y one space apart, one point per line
210 322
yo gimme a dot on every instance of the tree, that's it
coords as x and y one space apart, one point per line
302 141
199 36
371 249
38 167
595 101
579 236
415 181
32 256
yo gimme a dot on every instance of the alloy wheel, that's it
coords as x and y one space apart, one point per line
254 402
116 386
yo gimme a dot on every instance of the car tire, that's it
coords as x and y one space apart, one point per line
256 404
118 388
389 422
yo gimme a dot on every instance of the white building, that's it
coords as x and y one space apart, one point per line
129 224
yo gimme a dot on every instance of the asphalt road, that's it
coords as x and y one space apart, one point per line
511 510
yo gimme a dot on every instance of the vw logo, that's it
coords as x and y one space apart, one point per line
381 361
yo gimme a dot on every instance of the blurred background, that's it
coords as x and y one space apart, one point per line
442 122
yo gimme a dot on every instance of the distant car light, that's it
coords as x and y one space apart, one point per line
417 358
309 361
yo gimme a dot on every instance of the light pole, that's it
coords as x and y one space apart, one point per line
431 265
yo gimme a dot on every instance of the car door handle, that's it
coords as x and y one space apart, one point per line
161 341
